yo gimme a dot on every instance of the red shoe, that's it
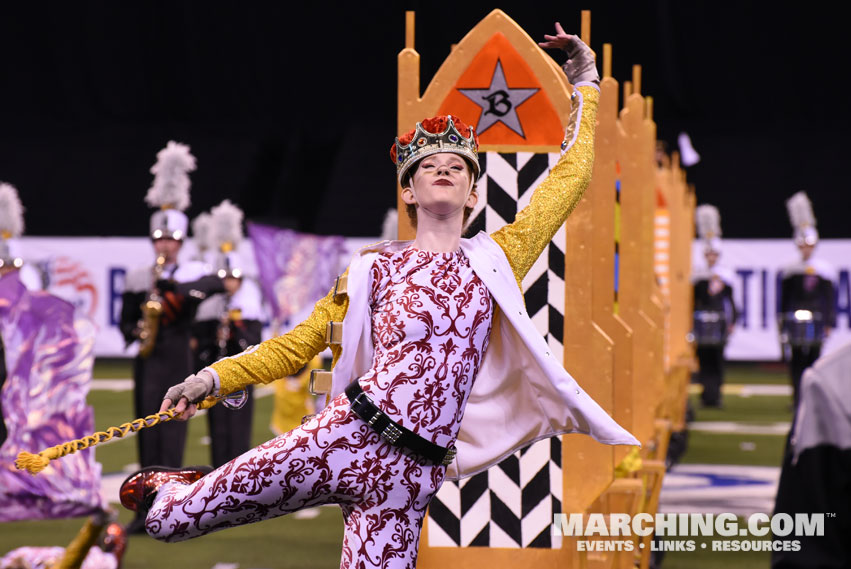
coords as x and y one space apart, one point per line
139 490
115 541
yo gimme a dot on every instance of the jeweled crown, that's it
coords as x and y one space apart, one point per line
425 143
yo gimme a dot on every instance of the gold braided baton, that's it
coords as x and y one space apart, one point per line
35 463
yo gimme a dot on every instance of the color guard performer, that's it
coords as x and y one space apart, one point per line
715 312
226 324
433 331
807 296
45 375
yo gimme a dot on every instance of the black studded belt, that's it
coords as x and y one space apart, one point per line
393 432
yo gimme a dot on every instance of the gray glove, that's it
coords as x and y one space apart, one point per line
580 65
194 388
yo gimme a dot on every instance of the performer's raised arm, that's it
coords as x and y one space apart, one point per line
535 225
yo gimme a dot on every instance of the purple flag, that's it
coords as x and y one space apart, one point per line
49 369
296 269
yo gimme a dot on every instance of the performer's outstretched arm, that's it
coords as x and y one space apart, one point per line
284 355
273 359
555 198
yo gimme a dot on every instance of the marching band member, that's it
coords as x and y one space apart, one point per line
807 297
714 310
226 324
158 306
11 225
433 331
12 222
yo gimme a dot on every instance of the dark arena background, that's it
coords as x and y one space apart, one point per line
290 109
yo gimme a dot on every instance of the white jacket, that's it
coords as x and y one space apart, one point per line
521 394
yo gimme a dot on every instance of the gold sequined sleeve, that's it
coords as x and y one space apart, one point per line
284 355
536 224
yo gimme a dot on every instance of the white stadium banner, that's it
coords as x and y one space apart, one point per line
756 265
89 272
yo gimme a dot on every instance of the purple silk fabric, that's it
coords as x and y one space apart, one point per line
49 361
296 269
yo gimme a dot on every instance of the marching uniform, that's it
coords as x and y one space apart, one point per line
227 324
807 296
715 312
225 327
713 293
806 286
163 327
427 339
171 359
11 226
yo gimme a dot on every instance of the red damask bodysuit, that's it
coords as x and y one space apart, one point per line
431 319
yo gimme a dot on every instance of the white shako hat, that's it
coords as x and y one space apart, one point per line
202 232
11 225
707 220
170 191
802 219
226 235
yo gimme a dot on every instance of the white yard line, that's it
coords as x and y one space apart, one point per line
731 427
111 385
748 390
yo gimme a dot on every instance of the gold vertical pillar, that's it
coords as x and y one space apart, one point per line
602 194
680 205
588 350
635 285
654 305
408 97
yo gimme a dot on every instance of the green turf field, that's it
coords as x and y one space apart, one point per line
283 543
287 542
739 449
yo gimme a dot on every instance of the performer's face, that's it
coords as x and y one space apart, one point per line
806 251
711 257
232 284
167 247
441 185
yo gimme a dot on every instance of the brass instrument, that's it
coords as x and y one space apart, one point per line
152 309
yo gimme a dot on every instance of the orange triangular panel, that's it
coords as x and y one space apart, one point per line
478 97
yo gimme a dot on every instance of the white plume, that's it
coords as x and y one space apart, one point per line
11 211
226 224
800 211
688 155
390 227
202 228
171 179
708 221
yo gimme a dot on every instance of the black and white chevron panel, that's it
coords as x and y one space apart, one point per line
512 504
